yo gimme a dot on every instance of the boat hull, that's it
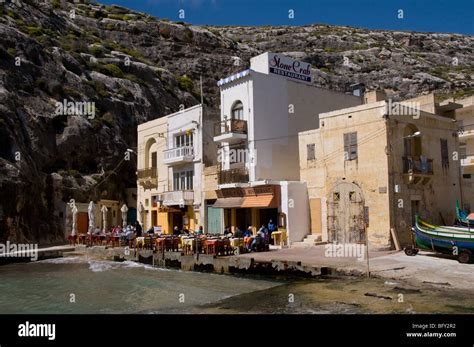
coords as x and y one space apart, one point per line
443 239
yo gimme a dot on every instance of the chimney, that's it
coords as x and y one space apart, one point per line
358 89
374 96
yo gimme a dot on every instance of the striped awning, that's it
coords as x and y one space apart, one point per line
260 201
233 77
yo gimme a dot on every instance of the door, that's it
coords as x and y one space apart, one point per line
82 222
346 214
131 215
214 220
177 220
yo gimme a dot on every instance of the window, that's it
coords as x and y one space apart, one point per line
310 151
183 140
352 196
238 111
183 180
350 146
466 176
444 153
153 159
462 150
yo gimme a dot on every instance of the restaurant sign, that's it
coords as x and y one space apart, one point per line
285 66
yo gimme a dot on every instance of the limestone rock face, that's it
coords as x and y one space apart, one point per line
133 68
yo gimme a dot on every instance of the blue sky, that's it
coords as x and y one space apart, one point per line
454 16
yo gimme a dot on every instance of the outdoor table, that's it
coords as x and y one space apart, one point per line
140 242
279 238
113 240
160 242
72 239
210 245
236 243
188 245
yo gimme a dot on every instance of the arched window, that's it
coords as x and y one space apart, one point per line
237 111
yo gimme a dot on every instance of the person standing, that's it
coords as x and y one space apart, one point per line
271 228
138 229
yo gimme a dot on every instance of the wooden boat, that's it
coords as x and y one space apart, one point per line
456 241
462 218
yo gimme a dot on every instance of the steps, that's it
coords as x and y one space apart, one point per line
310 240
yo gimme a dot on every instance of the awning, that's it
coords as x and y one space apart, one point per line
260 201
169 209
229 202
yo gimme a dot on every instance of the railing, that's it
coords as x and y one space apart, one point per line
177 197
150 172
230 126
417 166
179 152
233 176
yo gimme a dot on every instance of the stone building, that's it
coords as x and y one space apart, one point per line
380 163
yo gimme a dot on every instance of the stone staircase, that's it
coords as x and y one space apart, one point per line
310 240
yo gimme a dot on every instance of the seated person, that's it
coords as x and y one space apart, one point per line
248 232
238 233
176 231
200 230
227 232
257 241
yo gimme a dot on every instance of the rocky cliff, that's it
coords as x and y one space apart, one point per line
135 68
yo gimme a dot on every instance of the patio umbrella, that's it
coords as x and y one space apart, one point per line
124 210
91 215
104 210
72 204
140 211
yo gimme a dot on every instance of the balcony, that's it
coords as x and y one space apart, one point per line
466 132
230 131
233 176
417 171
177 198
148 178
467 165
178 155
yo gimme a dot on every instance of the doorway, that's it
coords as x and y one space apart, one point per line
415 209
177 220
346 214
244 218
265 214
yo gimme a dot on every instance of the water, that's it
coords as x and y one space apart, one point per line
112 287
128 287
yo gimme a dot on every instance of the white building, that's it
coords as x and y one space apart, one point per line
172 153
262 111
